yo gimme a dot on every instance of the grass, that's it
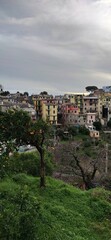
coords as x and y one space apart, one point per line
65 213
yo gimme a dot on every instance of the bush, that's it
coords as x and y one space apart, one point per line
109 123
106 182
97 125
73 130
87 143
28 163
61 134
84 130
19 212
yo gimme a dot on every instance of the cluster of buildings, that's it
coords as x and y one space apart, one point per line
17 101
68 109
74 108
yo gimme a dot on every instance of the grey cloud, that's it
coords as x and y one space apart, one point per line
17 9
61 45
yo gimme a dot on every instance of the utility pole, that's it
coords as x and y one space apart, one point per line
106 160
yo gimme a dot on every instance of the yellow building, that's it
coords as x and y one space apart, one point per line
37 101
49 110
77 99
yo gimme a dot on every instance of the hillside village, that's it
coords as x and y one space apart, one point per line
37 209
77 109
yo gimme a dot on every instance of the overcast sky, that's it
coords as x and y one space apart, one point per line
55 45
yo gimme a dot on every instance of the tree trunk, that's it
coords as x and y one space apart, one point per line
88 184
42 168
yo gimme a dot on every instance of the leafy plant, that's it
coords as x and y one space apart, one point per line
24 163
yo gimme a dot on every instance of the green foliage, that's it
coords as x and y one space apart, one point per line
44 93
106 182
73 130
4 93
28 163
109 123
91 88
87 143
19 212
83 130
18 128
61 133
59 211
15 126
97 125
26 94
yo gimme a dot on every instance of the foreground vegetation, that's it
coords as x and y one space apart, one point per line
27 162
56 212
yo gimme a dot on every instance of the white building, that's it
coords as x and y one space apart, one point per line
90 118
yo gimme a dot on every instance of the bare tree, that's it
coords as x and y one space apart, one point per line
87 165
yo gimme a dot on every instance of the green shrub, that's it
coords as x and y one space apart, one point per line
87 143
83 130
97 125
57 212
28 163
109 123
73 130
19 212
